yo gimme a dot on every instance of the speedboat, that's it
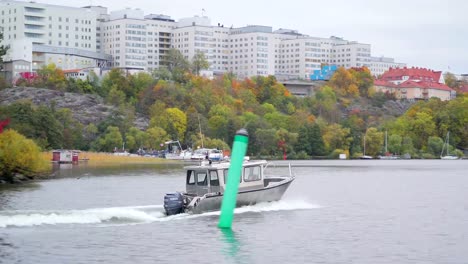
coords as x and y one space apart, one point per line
206 183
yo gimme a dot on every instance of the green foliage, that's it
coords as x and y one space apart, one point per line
3 50
394 144
336 137
156 136
434 146
374 141
19 155
172 120
177 65
111 140
310 140
199 63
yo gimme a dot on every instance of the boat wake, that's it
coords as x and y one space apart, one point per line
127 215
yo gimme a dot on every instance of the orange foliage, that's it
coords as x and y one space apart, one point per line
311 119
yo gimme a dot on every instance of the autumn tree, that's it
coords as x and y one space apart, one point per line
344 83
51 77
19 155
171 120
363 79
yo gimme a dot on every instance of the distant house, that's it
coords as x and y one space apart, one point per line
77 74
414 84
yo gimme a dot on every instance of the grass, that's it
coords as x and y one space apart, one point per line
105 159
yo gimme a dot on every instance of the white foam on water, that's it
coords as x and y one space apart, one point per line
283 205
88 216
129 215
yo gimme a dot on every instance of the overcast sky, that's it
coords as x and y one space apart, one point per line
424 33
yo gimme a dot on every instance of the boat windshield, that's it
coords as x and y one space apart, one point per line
252 173
225 172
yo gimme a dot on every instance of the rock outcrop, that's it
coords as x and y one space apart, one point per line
86 108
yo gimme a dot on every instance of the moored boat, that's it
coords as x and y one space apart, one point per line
205 185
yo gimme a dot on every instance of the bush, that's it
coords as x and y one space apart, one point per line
19 155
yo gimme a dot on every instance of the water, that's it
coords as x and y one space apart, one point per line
334 212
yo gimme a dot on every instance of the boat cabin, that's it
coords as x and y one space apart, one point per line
212 178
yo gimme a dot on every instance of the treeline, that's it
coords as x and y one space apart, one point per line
180 103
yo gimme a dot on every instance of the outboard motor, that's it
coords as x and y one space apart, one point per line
174 203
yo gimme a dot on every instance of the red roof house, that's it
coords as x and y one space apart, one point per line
414 83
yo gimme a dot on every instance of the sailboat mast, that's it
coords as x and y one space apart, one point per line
448 142
365 143
385 141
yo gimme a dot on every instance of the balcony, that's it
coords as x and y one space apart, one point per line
35 20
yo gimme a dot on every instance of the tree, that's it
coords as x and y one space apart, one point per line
450 80
326 102
51 77
177 65
374 141
311 140
199 63
394 144
3 51
111 140
156 136
19 155
171 120
336 137
363 79
422 127
344 83
115 79
434 146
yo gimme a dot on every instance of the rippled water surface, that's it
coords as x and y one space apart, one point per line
334 212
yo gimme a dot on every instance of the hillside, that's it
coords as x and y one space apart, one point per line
86 108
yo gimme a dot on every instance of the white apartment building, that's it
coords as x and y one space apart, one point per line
196 34
137 42
252 51
379 65
40 34
78 38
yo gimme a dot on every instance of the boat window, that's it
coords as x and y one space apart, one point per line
190 177
225 172
202 179
214 180
252 173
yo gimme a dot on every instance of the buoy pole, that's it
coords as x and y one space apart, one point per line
239 148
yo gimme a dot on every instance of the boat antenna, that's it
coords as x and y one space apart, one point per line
201 135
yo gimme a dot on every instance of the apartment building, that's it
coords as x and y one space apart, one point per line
40 34
197 35
77 38
379 65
